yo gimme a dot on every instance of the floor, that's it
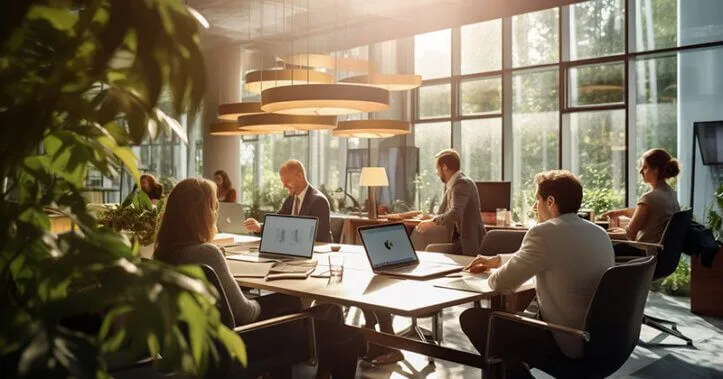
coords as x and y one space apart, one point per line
704 360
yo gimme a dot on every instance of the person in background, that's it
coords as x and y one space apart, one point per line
459 211
151 187
187 229
303 199
226 193
566 255
653 210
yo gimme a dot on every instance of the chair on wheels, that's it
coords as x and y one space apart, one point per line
611 330
668 252
499 241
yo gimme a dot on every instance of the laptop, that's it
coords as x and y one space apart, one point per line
390 252
231 218
284 237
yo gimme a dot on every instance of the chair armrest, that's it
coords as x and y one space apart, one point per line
643 245
540 324
272 322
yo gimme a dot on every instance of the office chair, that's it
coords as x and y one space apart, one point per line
611 330
668 253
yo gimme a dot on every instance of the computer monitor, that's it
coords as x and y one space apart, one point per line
710 141
288 235
494 195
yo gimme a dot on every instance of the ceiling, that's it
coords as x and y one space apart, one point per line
345 23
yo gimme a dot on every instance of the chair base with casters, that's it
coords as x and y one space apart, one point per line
659 324
430 336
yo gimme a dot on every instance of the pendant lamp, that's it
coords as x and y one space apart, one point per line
371 128
324 99
327 62
256 81
391 82
232 129
271 122
232 111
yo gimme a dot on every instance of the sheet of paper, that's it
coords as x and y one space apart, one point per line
241 269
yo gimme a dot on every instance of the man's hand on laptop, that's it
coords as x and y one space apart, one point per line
252 225
483 263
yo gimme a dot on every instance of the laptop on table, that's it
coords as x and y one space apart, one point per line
284 237
390 252
231 218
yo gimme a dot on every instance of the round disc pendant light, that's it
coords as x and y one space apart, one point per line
232 129
256 81
391 82
271 122
324 99
327 62
232 111
371 128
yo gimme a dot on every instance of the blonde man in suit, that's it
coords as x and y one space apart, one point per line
565 254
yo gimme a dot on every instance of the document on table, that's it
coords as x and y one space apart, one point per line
243 269
468 283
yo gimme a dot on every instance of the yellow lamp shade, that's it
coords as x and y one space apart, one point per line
257 81
232 111
373 177
371 128
271 122
232 129
324 99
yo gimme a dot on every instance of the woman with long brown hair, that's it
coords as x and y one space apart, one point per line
225 193
184 237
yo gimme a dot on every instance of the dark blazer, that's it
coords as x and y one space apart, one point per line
462 211
314 204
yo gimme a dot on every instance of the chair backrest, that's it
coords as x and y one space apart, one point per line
501 241
222 304
615 315
673 239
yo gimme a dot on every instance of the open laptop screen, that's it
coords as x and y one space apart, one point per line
288 235
387 245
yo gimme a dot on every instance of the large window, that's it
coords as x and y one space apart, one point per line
433 54
481 47
480 96
535 38
598 157
430 138
597 29
481 149
535 133
597 84
435 101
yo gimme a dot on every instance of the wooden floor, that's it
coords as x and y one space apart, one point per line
705 360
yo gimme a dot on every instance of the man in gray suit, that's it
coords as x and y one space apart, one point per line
303 200
459 213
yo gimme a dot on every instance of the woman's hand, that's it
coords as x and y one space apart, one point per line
483 263
612 214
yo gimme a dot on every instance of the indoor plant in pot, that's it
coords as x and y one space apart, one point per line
137 218
707 282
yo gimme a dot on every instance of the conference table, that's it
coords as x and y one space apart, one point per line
360 287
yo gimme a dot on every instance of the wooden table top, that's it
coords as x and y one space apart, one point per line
359 286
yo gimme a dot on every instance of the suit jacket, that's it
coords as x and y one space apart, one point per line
460 210
313 204
567 256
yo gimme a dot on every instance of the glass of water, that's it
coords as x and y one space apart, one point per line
336 265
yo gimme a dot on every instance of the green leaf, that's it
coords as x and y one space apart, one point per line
61 19
195 319
36 216
234 344
125 154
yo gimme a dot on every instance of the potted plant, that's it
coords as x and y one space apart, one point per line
137 218
707 283
80 82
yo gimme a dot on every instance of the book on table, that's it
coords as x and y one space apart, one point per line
295 269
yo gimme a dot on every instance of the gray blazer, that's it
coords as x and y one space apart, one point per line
460 209
314 204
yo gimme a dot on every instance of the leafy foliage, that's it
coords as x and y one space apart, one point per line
677 283
80 82
136 215
715 215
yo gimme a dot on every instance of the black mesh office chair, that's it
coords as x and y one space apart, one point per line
611 331
668 252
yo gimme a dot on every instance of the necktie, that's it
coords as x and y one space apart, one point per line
297 205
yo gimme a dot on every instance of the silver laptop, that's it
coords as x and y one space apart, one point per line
286 237
231 218
390 252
